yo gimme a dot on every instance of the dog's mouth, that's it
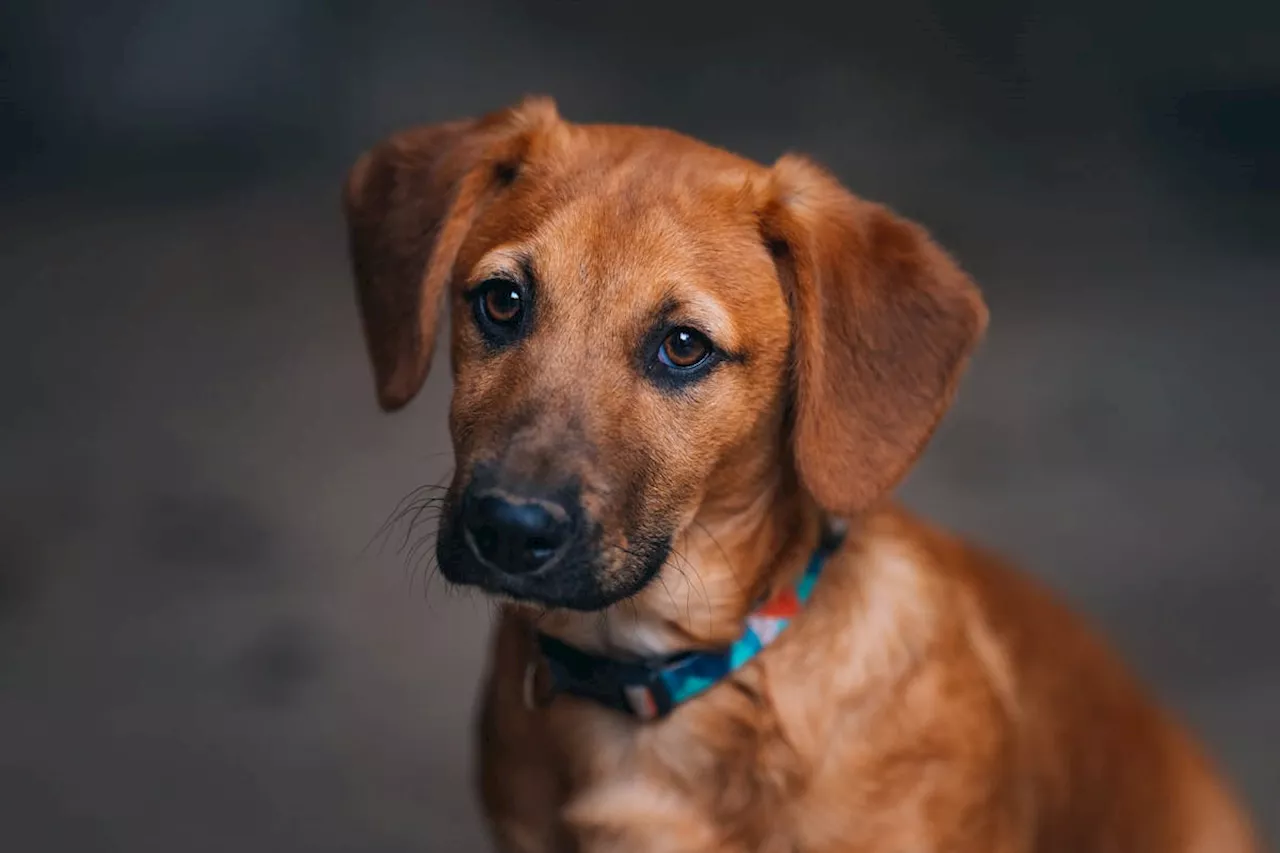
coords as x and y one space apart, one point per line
585 574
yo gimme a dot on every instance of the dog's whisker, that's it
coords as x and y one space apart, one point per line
421 547
426 514
413 547
412 510
729 564
410 503
706 598
414 523
663 581
431 575
392 519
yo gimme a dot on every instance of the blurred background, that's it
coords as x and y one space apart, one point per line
198 653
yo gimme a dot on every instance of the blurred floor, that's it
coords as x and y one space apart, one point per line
195 652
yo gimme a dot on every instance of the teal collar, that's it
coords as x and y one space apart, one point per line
650 689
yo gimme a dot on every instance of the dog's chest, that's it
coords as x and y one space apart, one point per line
823 745
689 782
720 775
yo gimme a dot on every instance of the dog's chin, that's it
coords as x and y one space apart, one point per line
581 582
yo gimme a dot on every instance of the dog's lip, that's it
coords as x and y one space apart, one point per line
526 589
536 589
532 589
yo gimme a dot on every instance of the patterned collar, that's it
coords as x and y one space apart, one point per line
649 689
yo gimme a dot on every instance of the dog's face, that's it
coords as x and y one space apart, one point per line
646 332
618 336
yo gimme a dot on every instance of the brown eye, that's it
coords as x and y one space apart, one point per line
684 349
502 304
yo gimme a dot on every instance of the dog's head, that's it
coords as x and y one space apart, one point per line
648 333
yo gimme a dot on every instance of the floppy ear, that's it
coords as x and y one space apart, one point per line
409 203
883 324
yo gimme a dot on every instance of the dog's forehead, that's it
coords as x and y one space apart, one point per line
655 156
618 222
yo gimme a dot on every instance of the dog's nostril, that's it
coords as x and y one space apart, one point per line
486 538
540 550
516 535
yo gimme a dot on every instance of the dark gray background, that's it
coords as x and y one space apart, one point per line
196 655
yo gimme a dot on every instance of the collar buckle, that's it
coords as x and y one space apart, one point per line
649 697
536 692
636 688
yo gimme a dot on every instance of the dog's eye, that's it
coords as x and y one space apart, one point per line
500 311
684 349
502 303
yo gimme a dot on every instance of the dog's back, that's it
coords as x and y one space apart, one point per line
1110 769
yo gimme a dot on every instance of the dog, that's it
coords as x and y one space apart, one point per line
685 385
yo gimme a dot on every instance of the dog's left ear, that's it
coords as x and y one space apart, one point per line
883 325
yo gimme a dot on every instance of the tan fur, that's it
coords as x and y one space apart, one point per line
929 698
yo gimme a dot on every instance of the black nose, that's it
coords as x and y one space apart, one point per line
516 535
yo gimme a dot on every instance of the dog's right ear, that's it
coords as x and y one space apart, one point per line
409 203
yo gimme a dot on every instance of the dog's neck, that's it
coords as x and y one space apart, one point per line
735 553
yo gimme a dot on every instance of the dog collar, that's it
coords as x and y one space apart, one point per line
649 689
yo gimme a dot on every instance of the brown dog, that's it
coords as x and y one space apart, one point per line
672 368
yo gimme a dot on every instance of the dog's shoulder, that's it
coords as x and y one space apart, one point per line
1068 710
895 669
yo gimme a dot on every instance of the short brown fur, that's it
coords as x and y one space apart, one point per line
930 698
